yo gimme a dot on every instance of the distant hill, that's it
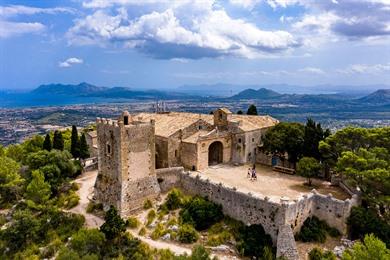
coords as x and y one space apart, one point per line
381 96
261 93
88 90
68 90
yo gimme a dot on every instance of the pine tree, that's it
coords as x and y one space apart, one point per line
239 112
252 110
84 151
58 141
47 143
75 143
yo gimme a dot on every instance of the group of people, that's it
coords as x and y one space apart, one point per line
252 173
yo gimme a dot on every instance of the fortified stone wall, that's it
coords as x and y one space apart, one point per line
286 246
161 152
257 209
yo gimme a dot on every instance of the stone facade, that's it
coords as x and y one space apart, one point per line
126 175
186 139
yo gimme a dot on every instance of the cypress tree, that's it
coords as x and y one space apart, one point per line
75 143
252 110
58 141
84 151
47 143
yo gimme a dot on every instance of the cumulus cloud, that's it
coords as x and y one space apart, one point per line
70 62
10 29
190 29
354 19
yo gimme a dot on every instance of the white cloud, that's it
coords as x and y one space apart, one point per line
109 3
15 10
246 4
187 30
312 70
70 62
10 29
366 69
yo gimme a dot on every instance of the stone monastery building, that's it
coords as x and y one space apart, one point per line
196 141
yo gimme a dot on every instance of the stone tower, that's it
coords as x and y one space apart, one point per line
126 152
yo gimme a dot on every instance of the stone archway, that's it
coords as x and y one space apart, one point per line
215 153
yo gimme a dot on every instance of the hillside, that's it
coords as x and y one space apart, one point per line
68 89
261 93
381 96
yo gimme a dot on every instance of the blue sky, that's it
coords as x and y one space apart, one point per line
165 44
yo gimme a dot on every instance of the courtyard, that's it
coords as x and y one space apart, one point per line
269 183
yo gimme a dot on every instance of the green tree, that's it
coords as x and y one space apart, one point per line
285 138
47 143
308 167
58 141
75 143
10 181
363 221
38 191
200 253
84 149
319 254
371 248
201 213
114 225
87 241
253 240
312 137
252 110
239 112
370 171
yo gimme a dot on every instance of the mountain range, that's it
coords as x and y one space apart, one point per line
63 94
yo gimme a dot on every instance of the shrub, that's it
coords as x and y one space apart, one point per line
87 241
150 217
364 221
315 230
142 231
148 204
93 207
113 225
158 232
318 254
253 240
201 213
200 253
370 248
174 199
132 222
187 234
69 200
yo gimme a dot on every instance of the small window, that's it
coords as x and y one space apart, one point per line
253 140
239 140
108 149
200 127
126 120
220 115
249 154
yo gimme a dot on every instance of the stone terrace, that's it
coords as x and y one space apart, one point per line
269 183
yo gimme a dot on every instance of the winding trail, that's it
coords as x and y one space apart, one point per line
86 182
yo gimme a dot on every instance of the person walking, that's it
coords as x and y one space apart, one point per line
249 174
254 177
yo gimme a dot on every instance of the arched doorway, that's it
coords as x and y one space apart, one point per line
215 153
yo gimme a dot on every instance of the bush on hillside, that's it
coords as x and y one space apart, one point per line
187 234
315 230
201 213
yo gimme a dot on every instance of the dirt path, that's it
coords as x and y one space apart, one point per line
86 182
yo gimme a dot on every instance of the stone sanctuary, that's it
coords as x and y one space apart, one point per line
142 155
